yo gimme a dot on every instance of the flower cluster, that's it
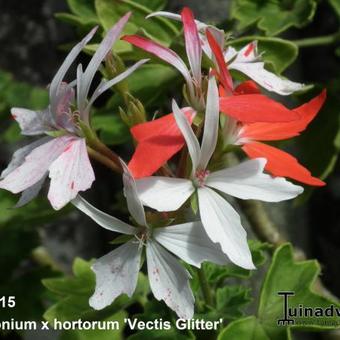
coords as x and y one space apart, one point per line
191 190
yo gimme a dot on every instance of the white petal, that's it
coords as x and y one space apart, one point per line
32 122
190 242
29 194
247 181
19 155
135 206
70 173
104 220
104 86
188 134
223 225
35 165
164 194
211 122
116 274
266 79
169 281
101 52
58 78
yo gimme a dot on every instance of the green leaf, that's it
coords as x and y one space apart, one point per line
83 8
154 334
273 17
154 5
97 334
112 130
244 329
72 295
284 275
278 53
336 5
230 301
110 11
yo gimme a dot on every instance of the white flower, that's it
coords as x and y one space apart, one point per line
245 181
117 272
65 156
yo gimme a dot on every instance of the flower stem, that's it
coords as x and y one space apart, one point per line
103 159
205 287
318 41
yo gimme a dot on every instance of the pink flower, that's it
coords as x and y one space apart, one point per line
62 154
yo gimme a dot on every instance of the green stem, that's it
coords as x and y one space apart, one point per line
205 287
103 159
318 41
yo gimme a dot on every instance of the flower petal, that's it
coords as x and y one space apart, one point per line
32 122
59 76
169 281
19 156
134 204
70 173
192 43
104 220
160 138
247 87
188 134
30 193
108 84
211 122
35 166
279 131
116 274
247 181
163 53
223 225
253 108
190 242
164 194
101 52
280 163
224 75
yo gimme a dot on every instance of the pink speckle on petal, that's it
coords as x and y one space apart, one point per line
249 49
72 185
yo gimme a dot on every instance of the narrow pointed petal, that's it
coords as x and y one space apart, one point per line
101 52
32 122
163 193
224 75
58 78
116 274
211 122
223 225
247 181
134 204
280 163
30 193
190 242
104 220
188 134
192 43
266 79
169 281
253 108
279 131
160 138
70 173
108 84
20 155
161 52
35 166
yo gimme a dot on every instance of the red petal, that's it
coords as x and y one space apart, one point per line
279 131
224 75
247 87
159 140
192 42
280 163
253 108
